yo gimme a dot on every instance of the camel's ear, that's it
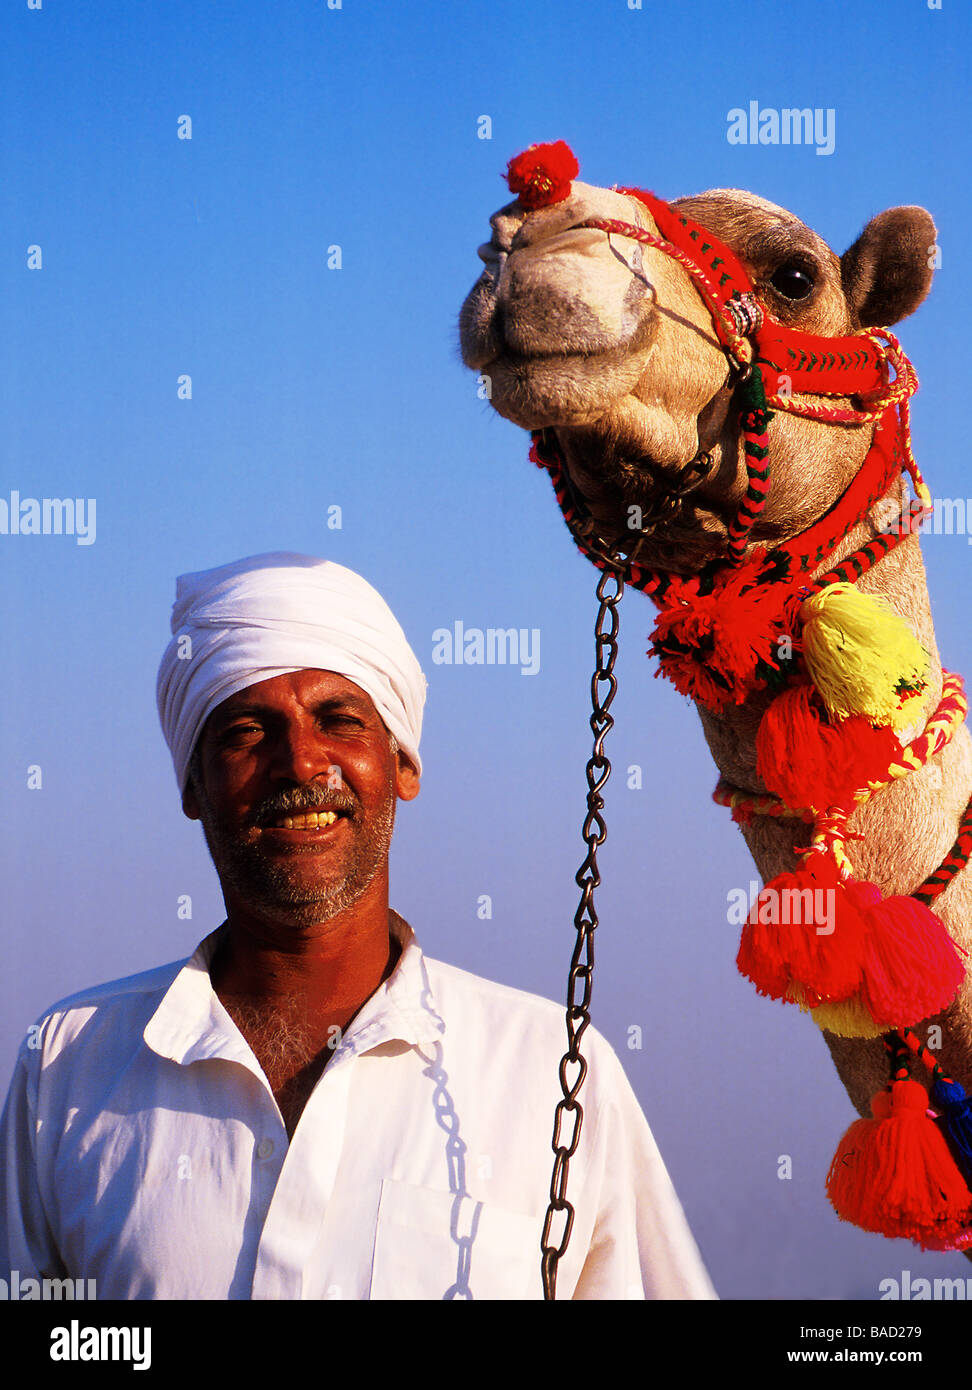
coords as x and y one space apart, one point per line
888 271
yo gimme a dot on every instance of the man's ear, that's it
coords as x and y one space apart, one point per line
407 781
888 271
190 802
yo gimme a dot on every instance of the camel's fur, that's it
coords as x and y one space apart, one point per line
608 343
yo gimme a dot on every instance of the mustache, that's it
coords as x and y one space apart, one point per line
294 801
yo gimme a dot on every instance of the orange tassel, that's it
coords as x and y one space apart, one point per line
894 1174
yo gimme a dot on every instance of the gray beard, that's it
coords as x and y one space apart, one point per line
266 884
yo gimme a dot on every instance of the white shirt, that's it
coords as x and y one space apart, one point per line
144 1149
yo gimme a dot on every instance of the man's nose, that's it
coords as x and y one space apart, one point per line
301 753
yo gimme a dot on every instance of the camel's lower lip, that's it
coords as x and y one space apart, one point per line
516 361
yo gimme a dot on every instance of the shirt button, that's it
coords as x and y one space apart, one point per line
264 1148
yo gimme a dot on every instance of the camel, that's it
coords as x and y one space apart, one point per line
605 344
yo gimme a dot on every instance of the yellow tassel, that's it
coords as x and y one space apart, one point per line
859 653
848 1019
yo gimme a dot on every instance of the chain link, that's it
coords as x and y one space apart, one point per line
603 686
662 504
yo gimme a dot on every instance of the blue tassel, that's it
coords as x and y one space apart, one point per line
956 1108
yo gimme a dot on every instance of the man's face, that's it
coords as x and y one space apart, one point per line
290 749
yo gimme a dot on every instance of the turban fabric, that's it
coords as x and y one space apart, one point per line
268 615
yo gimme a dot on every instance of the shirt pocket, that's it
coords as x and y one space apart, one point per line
435 1245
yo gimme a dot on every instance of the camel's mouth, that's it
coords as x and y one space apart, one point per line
537 390
681 546
664 517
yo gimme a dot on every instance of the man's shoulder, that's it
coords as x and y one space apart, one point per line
454 984
499 1034
129 997
473 1001
120 991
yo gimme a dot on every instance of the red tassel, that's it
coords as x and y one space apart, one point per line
807 761
812 938
803 930
948 1245
894 1175
911 966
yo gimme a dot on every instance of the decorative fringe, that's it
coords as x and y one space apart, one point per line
809 762
948 1244
894 1175
848 1018
861 656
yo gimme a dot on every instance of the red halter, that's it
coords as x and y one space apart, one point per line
773 362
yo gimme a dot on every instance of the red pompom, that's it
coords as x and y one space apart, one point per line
710 645
911 966
804 931
894 1174
807 761
814 938
542 174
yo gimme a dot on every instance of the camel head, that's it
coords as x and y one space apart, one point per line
607 344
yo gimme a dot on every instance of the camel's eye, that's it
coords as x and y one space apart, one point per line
792 280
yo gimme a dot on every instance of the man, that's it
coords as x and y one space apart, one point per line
308 1107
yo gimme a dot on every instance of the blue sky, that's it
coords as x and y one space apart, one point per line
315 388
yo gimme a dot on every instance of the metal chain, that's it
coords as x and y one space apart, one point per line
661 503
609 590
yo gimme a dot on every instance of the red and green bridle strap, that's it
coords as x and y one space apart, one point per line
899 1040
953 863
775 362
887 457
813 364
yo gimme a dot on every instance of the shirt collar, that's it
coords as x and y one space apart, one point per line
191 1025
402 1007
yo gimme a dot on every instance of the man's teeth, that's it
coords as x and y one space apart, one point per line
310 821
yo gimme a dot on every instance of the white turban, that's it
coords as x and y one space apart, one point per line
268 615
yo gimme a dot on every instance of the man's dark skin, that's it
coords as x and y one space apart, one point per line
307 908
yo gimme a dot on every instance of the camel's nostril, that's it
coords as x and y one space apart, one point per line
493 259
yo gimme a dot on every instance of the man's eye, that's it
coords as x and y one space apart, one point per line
238 731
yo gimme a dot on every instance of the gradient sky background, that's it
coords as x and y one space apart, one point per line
313 388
